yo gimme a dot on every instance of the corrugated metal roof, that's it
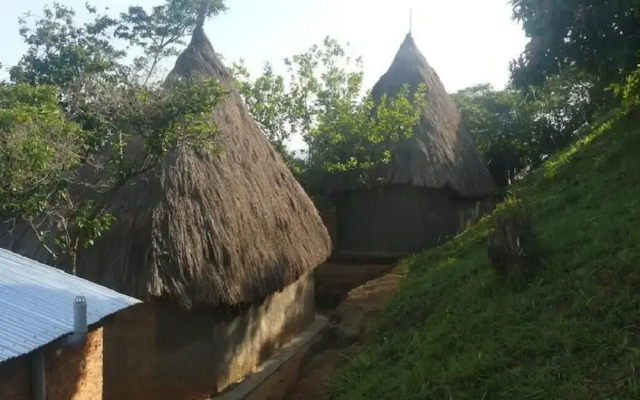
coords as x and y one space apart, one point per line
36 303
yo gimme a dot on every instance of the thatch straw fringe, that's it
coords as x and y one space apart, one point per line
208 229
441 153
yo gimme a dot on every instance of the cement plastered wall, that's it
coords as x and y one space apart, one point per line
158 351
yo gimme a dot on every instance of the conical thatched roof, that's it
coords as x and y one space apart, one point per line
207 229
440 153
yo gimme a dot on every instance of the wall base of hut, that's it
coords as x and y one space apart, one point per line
326 207
276 376
395 221
157 351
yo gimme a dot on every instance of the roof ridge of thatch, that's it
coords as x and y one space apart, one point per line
206 229
408 41
202 15
441 153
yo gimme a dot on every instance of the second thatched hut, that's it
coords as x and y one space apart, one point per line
220 247
435 183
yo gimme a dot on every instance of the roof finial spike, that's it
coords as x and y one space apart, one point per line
410 20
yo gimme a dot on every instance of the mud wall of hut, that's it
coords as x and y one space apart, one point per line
399 220
326 207
157 351
71 373
14 379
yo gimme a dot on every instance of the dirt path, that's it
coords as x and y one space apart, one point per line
349 324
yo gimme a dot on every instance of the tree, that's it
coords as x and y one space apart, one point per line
556 113
75 124
355 136
60 50
628 91
46 152
269 103
321 100
493 120
517 129
159 32
39 148
600 38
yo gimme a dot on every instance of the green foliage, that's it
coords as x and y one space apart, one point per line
629 90
515 130
89 221
164 118
498 127
450 332
43 146
600 38
321 100
269 103
159 32
355 136
60 51
74 105
39 148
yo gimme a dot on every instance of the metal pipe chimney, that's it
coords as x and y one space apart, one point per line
79 321
80 315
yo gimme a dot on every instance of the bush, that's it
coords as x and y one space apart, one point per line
512 248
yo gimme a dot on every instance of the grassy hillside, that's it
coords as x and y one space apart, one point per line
452 332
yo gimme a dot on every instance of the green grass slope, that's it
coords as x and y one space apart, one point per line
452 332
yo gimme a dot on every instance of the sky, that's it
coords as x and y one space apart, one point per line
467 42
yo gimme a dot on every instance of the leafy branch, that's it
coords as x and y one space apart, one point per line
320 99
58 167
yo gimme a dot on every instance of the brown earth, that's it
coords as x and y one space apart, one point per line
365 296
334 281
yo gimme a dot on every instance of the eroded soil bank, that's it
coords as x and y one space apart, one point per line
352 296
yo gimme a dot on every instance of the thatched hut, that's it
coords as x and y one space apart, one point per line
221 248
435 183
